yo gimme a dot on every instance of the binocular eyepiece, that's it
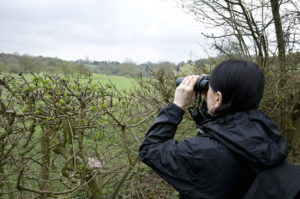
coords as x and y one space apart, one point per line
201 84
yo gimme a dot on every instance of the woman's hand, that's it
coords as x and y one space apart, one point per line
184 94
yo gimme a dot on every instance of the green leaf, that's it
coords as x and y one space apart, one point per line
26 89
62 101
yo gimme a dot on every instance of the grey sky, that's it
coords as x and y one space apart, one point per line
140 30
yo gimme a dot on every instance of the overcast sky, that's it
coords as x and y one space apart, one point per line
113 30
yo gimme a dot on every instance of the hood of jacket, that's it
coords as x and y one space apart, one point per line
252 135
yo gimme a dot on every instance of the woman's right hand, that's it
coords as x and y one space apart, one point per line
184 94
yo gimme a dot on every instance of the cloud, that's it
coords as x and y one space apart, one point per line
141 30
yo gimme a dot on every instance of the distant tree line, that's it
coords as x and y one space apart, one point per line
146 69
14 63
131 69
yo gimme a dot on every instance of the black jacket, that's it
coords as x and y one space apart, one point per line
221 163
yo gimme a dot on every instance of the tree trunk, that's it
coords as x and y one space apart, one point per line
279 37
294 155
9 187
285 118
1 168
45 175
94 186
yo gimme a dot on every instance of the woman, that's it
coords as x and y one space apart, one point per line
238 140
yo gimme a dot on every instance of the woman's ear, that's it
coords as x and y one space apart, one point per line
219 99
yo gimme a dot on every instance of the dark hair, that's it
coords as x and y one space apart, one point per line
241 84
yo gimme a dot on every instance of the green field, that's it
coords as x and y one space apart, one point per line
120 82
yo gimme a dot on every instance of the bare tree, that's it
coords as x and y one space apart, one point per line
247 27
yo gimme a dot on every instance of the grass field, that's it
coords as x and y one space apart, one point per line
120 82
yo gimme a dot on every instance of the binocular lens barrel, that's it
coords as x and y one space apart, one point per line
201 84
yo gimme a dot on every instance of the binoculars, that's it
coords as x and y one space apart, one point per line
201 84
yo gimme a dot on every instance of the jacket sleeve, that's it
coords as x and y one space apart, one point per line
162 153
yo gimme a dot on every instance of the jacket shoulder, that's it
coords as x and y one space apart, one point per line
202 146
